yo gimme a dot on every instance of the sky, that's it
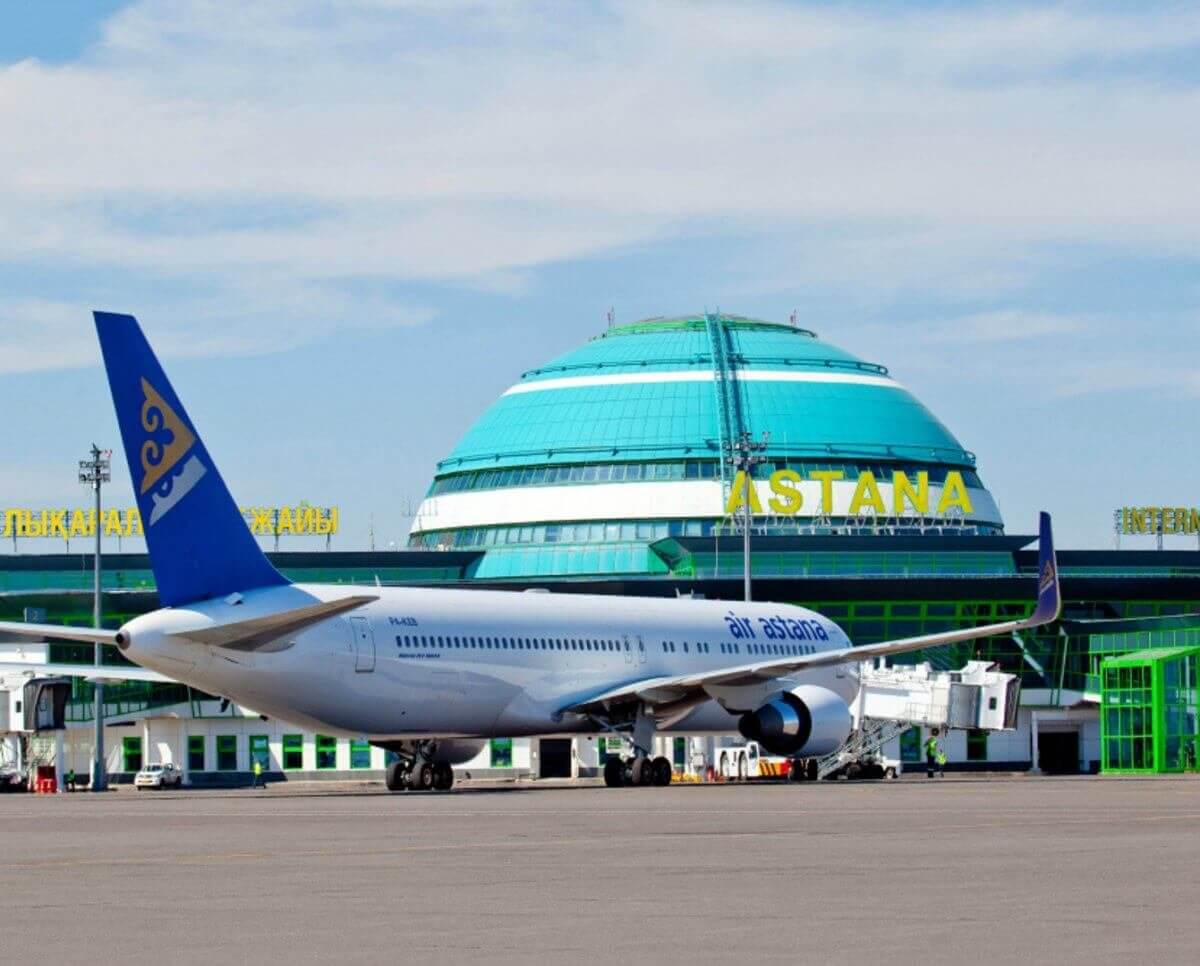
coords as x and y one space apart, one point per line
348 228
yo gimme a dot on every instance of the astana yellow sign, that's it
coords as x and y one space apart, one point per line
908 495
64 524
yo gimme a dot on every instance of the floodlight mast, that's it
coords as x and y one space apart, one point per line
745 454
95 471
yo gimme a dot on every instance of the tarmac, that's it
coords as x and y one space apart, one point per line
957 870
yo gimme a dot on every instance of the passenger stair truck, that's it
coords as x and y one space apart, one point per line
894 699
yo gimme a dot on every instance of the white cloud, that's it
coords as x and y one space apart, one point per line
1000 325
293 147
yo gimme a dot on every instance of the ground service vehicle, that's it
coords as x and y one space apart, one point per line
157 775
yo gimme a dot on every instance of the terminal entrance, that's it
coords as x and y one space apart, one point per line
554 756
1058 752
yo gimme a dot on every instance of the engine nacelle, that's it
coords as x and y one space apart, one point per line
807 719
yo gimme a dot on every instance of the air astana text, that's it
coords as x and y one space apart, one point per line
776 628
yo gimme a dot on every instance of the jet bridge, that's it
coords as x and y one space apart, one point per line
29 706
893 699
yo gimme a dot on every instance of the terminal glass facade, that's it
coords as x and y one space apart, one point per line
1148 711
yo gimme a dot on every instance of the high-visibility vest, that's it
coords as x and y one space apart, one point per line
931 747
258 768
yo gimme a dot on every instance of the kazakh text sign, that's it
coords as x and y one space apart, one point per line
63 524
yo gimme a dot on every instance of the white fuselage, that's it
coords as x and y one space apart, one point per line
475 663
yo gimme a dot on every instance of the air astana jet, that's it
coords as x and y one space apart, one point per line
432 674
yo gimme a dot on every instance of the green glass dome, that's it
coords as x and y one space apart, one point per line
619 443
600 410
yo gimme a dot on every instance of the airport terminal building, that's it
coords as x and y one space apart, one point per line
606 471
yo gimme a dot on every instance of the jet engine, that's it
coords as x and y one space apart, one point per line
808 719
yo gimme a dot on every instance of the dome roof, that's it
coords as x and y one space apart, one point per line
620 442
647 391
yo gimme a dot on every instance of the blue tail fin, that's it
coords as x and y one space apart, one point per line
200 547
1049 600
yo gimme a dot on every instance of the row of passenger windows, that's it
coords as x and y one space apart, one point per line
778 650
512 643
681 470
411 641
670 646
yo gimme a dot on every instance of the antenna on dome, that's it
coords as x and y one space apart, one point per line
792 317
611 315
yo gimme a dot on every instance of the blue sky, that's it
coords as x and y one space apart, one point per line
349 228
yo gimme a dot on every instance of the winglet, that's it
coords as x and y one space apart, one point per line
1049 600
200 546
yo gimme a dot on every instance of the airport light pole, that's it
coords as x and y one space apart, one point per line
745 454
96 471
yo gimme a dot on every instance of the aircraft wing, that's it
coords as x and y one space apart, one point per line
681 688
104 674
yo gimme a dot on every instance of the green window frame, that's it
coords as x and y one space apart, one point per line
326 746
196 753
501 752
360 754
259 747
977 746
293 752
226 752
131 754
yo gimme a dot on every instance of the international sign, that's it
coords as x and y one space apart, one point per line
66 523
1168 520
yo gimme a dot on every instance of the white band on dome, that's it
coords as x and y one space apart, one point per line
646 500
740 375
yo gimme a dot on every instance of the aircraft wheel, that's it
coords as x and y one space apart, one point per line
741 766
639 771
724 770
443 777
662 772
420 779
396 777
614 773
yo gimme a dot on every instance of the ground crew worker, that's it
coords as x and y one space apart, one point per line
934 755
258 775
70 779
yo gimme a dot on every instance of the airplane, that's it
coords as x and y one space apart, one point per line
432 674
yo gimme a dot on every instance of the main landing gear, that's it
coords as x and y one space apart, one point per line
417 773
629 772
641 769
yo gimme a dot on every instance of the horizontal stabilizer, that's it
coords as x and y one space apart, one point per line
256 633
105 674
58 632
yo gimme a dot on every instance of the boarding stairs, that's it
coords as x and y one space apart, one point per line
864 744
